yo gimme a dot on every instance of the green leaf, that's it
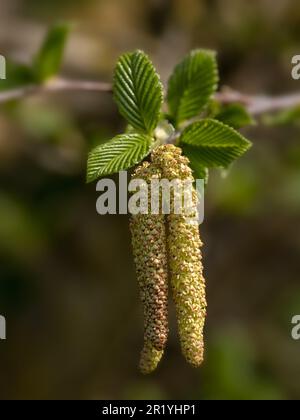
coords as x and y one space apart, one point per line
192 84
235 115
286 117
199 171
212 143
16 75
121 153
138 91
48 60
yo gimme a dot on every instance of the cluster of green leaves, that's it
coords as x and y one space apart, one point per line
200 125
45 64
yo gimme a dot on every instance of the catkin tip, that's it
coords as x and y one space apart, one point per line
150 357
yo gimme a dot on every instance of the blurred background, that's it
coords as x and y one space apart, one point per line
67 283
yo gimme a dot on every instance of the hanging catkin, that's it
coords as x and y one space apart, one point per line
150 256
184 257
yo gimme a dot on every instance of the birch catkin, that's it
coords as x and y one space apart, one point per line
150 255
184 257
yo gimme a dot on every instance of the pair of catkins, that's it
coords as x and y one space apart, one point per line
166 250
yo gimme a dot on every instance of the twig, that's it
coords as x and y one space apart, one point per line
255 104
55 85
259 104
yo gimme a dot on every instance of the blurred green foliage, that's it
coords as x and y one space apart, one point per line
17 75
233 372
234 115
48 60
285 117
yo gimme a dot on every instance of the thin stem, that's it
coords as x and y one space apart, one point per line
259 104
255 104
55 85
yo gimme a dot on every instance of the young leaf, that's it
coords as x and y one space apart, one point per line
138 91
235 115
192 84
122 152
289 116
212 143
16 75
199 171
47 62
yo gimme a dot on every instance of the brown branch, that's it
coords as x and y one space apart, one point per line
256 104
259 104
55 85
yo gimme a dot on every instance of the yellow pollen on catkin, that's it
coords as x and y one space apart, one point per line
184 258
150 255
